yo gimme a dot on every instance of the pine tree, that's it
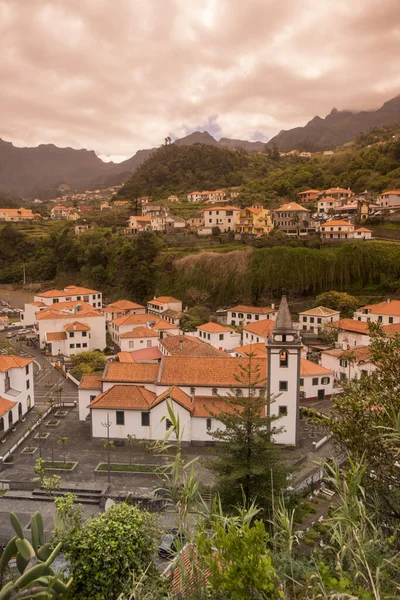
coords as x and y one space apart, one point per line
247 464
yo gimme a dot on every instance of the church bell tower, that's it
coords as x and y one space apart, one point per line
283 376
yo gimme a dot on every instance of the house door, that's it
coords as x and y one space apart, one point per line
321 394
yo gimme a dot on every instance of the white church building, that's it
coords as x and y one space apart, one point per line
133 396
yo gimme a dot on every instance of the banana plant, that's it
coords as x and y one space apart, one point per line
33 558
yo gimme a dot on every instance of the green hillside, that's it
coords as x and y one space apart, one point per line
368 163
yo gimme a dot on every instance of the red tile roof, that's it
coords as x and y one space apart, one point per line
207 372
139 332
255 310
337 223
307 367
77 326
128 397
56 336
391 307
214 328
90 382
6 405
350 325
291 206
258 349
263 328
122 305
176 394
11 361
131 372
183 345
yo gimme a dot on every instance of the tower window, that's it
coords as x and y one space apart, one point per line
283 386
283 359
282 411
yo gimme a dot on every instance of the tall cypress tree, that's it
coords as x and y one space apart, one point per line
247 464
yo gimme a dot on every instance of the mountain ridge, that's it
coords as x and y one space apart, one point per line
337 128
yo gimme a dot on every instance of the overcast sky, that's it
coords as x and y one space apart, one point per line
119 75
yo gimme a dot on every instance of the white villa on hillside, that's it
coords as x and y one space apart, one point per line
336 230
68 328
218 336
242 315
316 318
386 312
223 217
16 390
71 293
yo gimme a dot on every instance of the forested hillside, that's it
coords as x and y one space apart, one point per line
139 268
267 177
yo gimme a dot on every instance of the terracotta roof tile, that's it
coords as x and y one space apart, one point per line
90 382
134 320
5 405
56 336
164 299
307 367
128 397
182 345
214 328
337 223
161 324
139 332
122 305
320 311
291 206
207 372
146 354
131 372
13 362
392 307
258 349
254 310
262 328
350 325
77 326
125 357
177 395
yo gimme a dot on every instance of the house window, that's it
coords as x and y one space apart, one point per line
168 424
301 382
120 417
1 424
315 380
192 391
72 334
257 317
145 419
84 345
208 336
239 392
78 345
325 380
72 345
149 343
214 391
27 369
319 321
311 319
91 398
283 386
28 384
84 333
208 424
86 298
343 362
304 319
380 319
390 320
233 314
282 411
221 336
131 344
283 359
7 385
240 315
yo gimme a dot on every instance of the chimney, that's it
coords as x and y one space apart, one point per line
273 306
180 345
388 300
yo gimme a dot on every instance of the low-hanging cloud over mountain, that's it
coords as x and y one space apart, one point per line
118 76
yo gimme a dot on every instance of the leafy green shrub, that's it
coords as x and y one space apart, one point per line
107 549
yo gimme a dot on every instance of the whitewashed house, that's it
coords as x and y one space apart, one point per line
137 339
70 294
336 230
223 217
348 364
316 381
122 308
389 199
70 331
350 333
218 336
258 331
327 203
16 390
242 315
362 233
387 312
316 318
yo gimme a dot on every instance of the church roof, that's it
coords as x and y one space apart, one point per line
283 320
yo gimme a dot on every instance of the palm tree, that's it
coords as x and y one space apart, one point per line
63 441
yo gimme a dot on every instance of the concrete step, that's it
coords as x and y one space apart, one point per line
14 495
80 495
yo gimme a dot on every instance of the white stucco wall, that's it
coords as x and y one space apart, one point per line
84 399
96 338
128 345
230 340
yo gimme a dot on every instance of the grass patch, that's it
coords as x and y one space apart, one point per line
2 492
128 468
58 465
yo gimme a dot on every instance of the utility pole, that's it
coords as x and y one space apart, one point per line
107 425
